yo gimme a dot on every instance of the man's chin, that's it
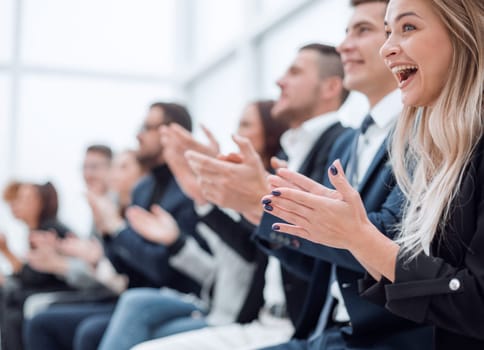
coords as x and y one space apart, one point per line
148 160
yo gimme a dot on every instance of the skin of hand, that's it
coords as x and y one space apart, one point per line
106 215
335 218
45 258
88 250
3 244
157 226
39 238
176 141
277 163
236 182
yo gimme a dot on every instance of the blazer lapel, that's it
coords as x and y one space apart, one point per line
318 156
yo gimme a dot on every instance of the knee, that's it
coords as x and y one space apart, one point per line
87 336
34 328
134 298
37 324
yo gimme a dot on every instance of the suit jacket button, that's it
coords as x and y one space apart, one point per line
454 284
295 243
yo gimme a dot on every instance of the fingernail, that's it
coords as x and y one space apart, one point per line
276 193
276 227
333 170
268 207
266 201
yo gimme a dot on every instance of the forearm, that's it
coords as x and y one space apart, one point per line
80 274
376 252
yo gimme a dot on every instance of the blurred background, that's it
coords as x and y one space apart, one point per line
74 72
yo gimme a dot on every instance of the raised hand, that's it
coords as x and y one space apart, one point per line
89 250
47 259
316 213
157 226
235 181
176 141
277 163
39 239
106 214
291 179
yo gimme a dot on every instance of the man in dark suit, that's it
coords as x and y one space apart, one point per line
145 263
339 317
311 94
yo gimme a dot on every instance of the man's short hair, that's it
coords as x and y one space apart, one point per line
330 63
175 113
104 150
355 3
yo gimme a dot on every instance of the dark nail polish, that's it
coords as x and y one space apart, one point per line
333 170
276 227
276 193
266 201
268 207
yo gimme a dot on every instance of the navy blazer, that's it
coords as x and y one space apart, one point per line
296 285
383 200
146 263
446 288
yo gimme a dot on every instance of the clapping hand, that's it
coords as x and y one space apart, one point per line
236 181
156 226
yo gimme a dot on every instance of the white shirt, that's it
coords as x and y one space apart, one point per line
385 114
296 143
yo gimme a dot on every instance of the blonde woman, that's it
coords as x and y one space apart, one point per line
434 272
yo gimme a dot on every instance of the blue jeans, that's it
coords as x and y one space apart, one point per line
78 327
145 313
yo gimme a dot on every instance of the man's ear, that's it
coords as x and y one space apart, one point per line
332 87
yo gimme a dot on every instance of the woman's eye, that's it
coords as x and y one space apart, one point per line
408 27
387 33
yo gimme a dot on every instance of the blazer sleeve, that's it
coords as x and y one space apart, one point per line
139 255
429 289
385 219
280 245
236 234
131 254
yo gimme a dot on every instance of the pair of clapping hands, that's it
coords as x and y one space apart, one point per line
49 253
236 181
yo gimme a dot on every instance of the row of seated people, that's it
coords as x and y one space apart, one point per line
60 266
220 254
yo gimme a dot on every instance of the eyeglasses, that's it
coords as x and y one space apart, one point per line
149 127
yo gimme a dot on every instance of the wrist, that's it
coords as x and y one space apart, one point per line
114 227
376 251
360 241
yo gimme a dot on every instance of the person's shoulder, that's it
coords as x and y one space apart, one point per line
344 139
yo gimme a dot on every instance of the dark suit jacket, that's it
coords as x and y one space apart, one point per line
295 284
146 263
383 200
446 289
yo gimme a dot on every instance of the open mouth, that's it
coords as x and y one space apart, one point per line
404 73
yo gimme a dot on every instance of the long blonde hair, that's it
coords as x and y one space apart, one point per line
432 145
